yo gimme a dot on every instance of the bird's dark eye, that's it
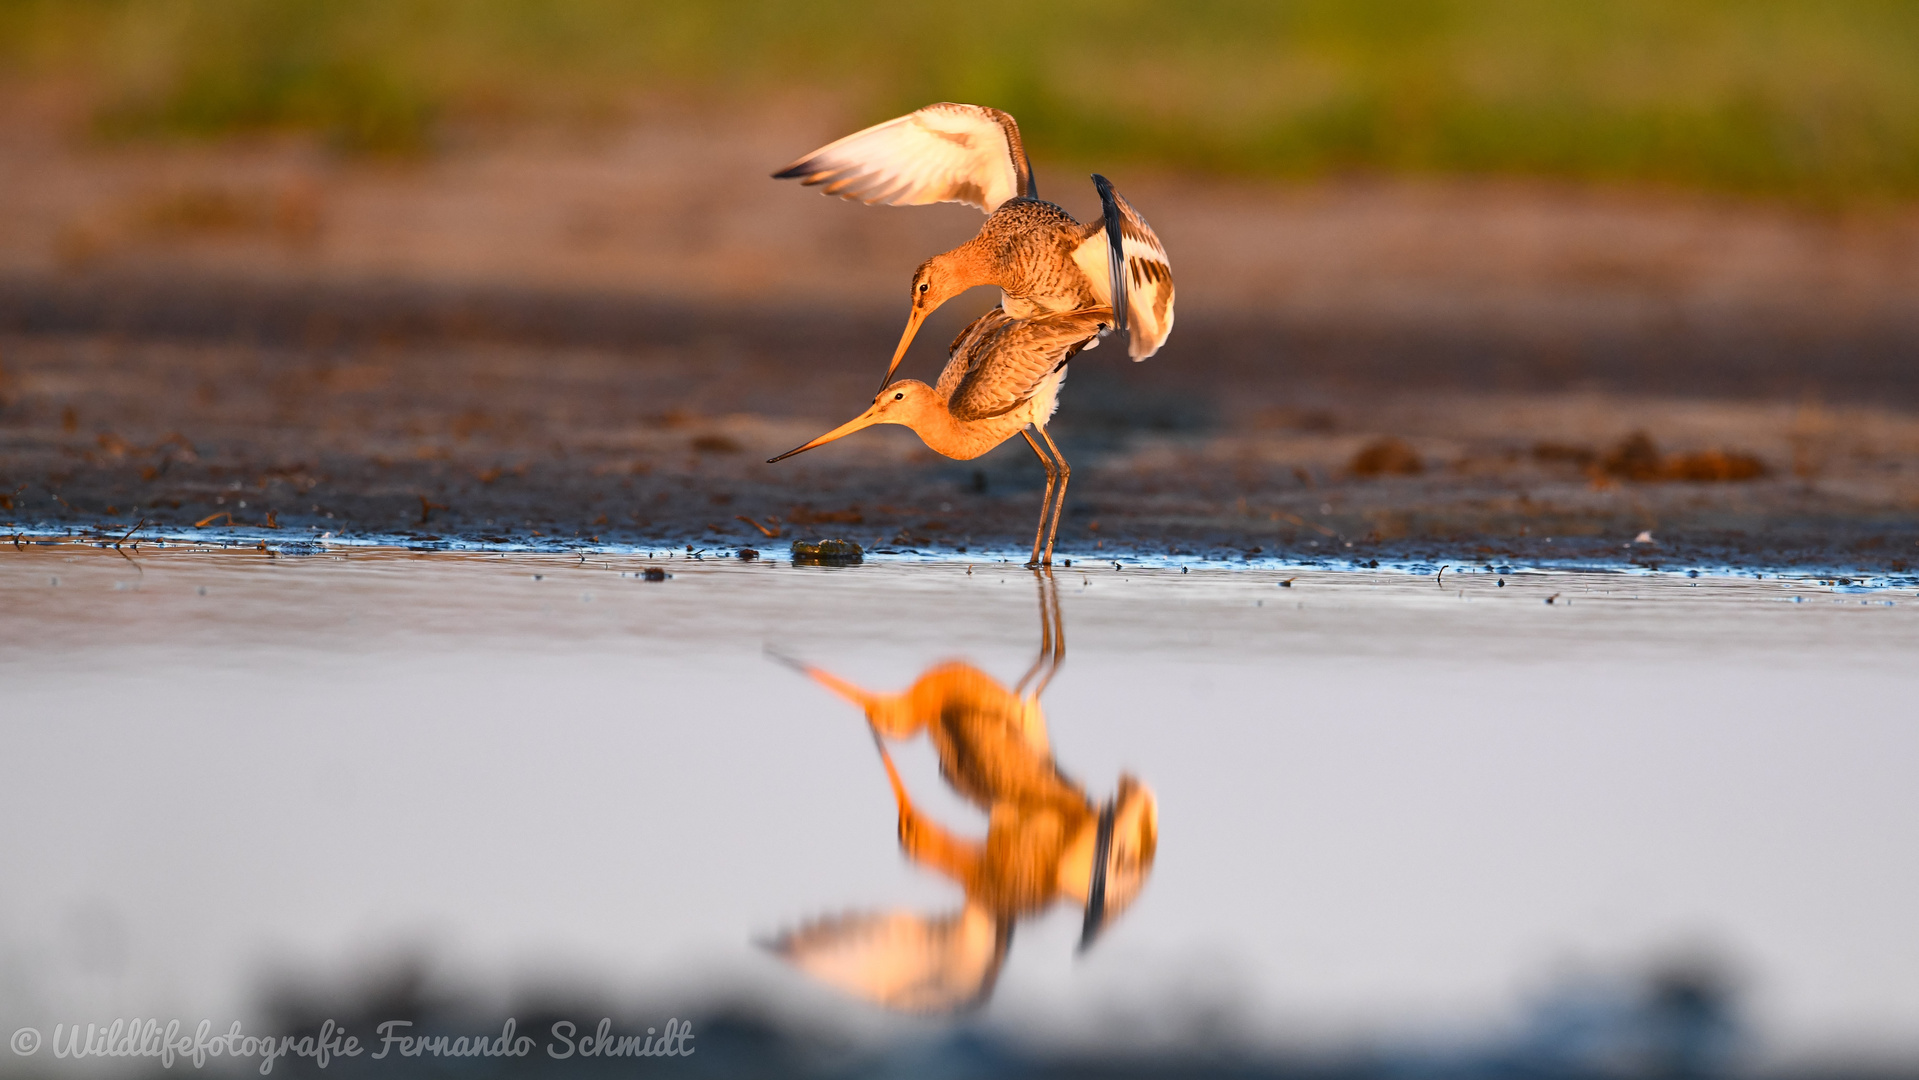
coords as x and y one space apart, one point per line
897 397
923 286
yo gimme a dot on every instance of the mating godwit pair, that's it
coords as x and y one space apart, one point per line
1063 286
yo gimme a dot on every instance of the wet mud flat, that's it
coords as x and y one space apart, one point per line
517 418
1556 823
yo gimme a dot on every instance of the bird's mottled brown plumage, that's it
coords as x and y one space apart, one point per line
1000 363
1003 378
1026 246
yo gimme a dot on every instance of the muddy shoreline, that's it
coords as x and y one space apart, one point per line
525 416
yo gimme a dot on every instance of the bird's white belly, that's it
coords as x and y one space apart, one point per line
1045 400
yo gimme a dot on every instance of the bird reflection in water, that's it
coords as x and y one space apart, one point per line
1047 841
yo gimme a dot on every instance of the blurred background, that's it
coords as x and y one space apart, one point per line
1809 101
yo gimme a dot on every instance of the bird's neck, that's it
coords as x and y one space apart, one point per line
936 427
968 265
940 432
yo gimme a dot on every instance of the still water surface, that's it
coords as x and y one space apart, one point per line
1383 808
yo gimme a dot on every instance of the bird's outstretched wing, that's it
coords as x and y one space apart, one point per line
942 153
1144 267
999 361
904 960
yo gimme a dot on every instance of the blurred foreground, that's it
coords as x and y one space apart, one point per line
1524 822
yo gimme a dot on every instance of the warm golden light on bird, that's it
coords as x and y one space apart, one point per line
1043 260
1003 377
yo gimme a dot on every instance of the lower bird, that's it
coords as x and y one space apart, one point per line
1003 377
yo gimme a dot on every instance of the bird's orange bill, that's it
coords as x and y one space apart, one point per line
913 322
864 420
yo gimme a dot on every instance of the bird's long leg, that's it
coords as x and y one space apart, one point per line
1059 508
1052 476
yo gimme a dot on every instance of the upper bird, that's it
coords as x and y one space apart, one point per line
1042 260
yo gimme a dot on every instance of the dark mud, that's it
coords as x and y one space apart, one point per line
533 418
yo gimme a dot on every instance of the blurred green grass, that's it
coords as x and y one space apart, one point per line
1797 98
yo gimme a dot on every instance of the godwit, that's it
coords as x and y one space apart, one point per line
1046 841
1042 260
1003 377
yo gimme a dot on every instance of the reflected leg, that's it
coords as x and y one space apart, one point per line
1049 606
1047 587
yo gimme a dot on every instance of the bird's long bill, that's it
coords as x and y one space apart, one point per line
913 322
863 420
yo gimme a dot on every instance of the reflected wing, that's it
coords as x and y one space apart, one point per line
942 153
1147 271
1000 361
904 960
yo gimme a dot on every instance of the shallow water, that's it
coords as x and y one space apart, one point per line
1391 810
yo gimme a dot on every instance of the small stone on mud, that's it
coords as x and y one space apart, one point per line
748 554
827 551
653 573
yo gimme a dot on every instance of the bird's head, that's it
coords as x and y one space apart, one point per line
903 402
937 280
940 279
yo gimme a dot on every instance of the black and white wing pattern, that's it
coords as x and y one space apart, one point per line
942 153
904 960
1143 267
999 362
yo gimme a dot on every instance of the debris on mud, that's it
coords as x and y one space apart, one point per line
715 444
1637 458
1558 452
